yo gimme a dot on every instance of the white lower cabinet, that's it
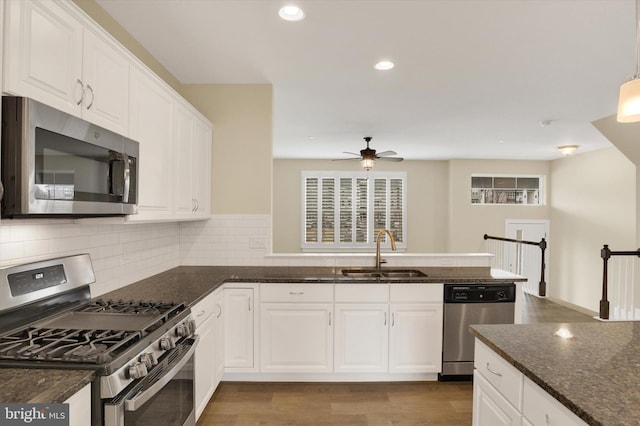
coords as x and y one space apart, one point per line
490 408
205 316
240 326
296 338
80 407
362 328
296 328
541 409
415 336
503 396
218 326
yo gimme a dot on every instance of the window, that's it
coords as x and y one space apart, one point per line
506 189
346 210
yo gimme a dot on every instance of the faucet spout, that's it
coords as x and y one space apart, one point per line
380 261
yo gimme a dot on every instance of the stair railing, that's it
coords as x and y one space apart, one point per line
606 254
542 244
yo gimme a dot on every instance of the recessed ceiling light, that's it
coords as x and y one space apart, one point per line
291 13
384 65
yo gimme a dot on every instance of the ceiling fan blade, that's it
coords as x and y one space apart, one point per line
351 153
386 153
345 159
391 159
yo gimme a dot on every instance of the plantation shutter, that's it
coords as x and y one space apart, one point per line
347 210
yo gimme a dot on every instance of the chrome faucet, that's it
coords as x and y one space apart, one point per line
380 261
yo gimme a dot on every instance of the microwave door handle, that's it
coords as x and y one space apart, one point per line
127 177
139 400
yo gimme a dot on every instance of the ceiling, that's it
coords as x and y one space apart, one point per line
473 78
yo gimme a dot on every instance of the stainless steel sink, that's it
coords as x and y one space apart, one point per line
383 273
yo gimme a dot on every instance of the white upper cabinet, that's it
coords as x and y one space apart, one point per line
152 113
52 57
192 161
106 83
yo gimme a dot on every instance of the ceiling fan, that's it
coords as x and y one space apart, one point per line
368 156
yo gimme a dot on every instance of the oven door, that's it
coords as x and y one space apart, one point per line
164 397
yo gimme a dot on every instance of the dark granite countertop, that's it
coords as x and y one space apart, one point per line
191 283
595 374
36 385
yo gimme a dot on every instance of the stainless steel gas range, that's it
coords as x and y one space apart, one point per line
142 352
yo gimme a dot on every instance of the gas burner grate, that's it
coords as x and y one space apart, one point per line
133 307
86 346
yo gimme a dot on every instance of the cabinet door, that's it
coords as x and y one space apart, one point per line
415 338
204 365
106 78
490 408
80 407
239 328
151 110
361 338
296 338
43 54
185 172
219 338
201 184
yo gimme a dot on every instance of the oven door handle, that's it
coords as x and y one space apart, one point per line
139 400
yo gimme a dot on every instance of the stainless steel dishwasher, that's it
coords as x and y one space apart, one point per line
471 304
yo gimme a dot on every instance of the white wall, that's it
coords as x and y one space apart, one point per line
592 203
469 222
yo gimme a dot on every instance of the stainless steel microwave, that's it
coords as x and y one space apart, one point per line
56 164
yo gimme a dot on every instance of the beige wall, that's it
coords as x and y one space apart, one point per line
241 166
593 203
427 194
469 222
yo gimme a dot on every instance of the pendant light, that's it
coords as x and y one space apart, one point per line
629 100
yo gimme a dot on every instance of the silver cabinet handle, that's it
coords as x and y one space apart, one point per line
202 312
249 304
193 205
79 82
93 96
385 318
393 319
296 293
546 418
330 319
219 310
493 371
197 205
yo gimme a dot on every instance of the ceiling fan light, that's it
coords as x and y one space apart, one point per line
367 163
629 101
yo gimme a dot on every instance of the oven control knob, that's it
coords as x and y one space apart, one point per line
166 344
149 359
181 330
137 370
192 326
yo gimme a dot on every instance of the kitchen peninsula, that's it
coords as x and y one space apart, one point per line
589 368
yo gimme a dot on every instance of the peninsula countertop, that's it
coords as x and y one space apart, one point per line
594 373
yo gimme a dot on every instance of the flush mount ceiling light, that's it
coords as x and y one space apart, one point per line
567 150
386 65
629 100
291 13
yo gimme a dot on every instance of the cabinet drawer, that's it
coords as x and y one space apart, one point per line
204 308
502 375
542 409
296 292
416 293
362 293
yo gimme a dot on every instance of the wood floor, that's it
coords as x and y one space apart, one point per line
414 403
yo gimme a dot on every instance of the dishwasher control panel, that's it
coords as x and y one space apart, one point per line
479 293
